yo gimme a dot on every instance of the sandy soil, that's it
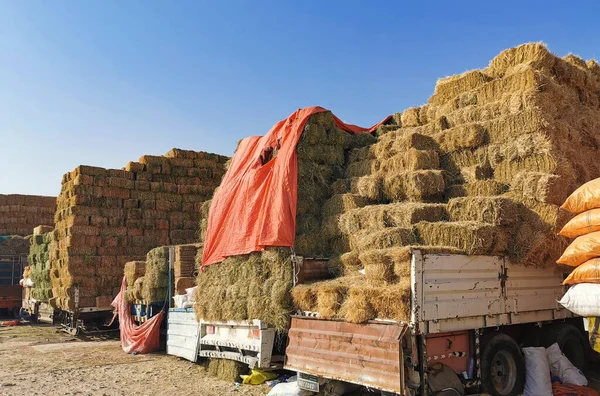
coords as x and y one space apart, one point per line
42 360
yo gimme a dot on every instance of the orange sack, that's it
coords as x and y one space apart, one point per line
588 272
583 223
584 198
582 249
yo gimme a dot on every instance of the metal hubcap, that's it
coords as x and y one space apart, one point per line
503 373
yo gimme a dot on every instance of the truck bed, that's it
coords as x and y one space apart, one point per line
456 292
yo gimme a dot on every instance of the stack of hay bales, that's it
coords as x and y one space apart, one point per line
20 213
39 262
481 169
184 267
14 245
155 279
134 270
107 217
258 285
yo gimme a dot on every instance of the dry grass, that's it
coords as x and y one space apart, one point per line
499 211
414 186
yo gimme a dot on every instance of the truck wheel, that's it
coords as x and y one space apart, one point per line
571 341
502 366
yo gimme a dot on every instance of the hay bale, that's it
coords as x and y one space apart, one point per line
542 187
227 370
413 186
403 214
134 270
448 88
263 275
341 203
386 238
491 210
370 187
410 160
345 264
476 189
533 54
468 136
410 117
362 168
474 238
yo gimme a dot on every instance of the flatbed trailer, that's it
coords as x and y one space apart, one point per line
11 270
471 313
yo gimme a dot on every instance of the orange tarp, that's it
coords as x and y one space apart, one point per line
255 206
144 338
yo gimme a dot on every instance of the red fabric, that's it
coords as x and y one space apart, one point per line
559 389
255 206
144 338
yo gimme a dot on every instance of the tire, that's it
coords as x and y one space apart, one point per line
502 366
571 341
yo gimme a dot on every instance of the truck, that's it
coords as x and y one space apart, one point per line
470 313
11 271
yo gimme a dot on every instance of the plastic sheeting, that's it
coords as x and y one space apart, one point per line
255 206
144 338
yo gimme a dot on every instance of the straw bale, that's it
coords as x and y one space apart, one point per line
542 187
474 238
490 210
534 54
329 300
360 154
476 173
506 171
325 154
366 302
369 187
414 186
521 79
454 161
345 264
410 160
357 308
341 203
448 88
400 142
262 275
362 168
477 188
134 270
521 146
403 214
388 237
468 136
313 244
361 140
227 370
410 117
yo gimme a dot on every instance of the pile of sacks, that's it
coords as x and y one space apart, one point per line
548 372
583 298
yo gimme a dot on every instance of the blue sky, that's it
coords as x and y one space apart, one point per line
104 82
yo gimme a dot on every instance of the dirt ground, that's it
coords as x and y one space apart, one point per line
42 360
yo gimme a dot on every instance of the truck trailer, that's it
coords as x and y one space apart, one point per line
470 313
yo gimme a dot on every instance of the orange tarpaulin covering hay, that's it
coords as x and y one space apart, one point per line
144 338
255 206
